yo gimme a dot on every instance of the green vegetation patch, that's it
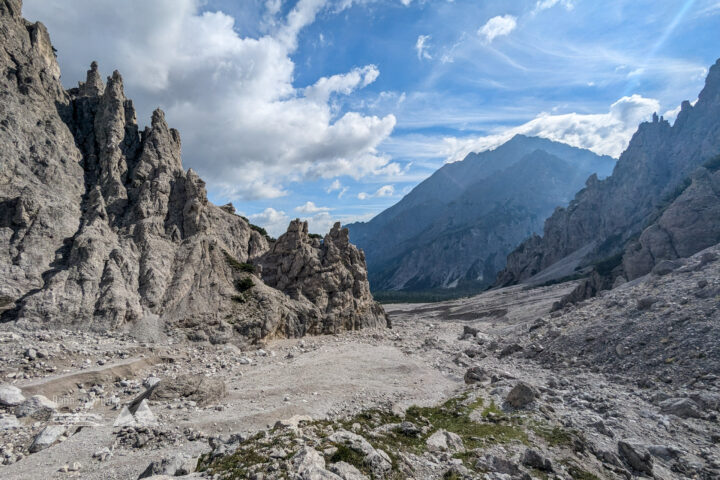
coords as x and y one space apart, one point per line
244 284
554 436
348 455
237 265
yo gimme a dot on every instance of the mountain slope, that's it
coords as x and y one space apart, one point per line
456 227
609 214
102 228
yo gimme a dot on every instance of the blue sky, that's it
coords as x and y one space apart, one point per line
333 109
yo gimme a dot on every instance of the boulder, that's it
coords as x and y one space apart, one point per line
37 407
476 375
346 471
10 396
636 457
520 396
444 441
531 458
308 464
176 466
681 407
47 437
378 461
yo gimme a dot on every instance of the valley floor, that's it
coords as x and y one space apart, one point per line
588 397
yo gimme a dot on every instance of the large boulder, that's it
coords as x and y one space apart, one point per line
10 396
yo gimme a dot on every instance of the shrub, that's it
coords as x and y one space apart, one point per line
244 284
239 266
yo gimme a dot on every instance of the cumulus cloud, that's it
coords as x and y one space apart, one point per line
274 221
310 207
497 27
421 47
246 128
384 191
603 133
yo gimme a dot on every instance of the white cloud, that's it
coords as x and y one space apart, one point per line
422 48
335 185
406 2
310 207
274 221
603 133
497 27
245 127
545 4
384 191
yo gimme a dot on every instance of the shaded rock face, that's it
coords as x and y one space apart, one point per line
102 228
689 224
455 229
608 213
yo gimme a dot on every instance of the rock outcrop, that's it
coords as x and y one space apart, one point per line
608 214
102 228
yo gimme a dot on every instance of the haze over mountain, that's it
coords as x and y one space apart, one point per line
454 229
660 203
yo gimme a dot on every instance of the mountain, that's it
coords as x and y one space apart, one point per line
101 227
455 228
661 202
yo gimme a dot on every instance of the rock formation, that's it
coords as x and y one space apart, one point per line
102 228
454 230
609 214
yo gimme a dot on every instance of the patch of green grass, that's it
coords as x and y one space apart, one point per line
555 436
454 416
492 410
238 298
316 235
348 455
233 466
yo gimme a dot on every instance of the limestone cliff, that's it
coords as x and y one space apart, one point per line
101 227
609 214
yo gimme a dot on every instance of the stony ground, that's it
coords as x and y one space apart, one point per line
497 386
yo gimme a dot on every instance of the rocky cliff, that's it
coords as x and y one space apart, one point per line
454 230
630 209
102 228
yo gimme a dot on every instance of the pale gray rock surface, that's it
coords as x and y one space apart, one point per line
10 395
101 227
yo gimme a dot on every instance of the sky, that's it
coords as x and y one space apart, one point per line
332 110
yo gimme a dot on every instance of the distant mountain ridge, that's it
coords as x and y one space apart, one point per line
661 202
455 228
